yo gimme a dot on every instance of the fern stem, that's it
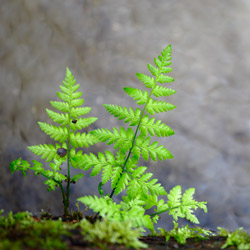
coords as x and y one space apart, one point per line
59 184
133 142
68 162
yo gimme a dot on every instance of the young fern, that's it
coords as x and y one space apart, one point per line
70 121
131 145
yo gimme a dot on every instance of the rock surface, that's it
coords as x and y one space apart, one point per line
105 43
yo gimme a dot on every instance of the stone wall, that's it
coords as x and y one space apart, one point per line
105 43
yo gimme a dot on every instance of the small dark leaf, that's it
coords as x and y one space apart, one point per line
61 152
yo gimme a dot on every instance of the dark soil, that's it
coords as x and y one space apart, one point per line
76 242
154 243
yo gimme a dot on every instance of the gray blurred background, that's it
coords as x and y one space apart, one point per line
105 43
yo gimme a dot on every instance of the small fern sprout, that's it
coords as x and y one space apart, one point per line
130 145
67 140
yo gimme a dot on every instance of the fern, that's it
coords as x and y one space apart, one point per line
181 234
132 144
120 166
67 138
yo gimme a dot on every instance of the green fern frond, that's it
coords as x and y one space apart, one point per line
164 79
137 94
76 112
148 81
83 123
123 113
104 206
154 71
154 128
117 171
57 117
184 206
62 106
76 102
114 212
155 106
82 139
104 162
143 148
122 139
143 184
57 133
69 121
134 188
162 91
46 151
122 183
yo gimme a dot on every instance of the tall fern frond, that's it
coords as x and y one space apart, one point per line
70 121
136 143
132 144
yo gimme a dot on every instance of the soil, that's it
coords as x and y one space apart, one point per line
156 243
76 242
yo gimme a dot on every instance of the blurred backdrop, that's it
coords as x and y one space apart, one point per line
105 43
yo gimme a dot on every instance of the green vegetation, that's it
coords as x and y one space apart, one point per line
181 234
67 140
21 231
120 223
238 238
105 232
130 145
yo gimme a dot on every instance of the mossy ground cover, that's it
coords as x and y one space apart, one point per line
24 231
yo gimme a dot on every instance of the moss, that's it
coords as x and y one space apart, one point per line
105 232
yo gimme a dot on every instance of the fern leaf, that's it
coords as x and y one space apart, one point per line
122 139
96 170
104 206
165 70
148 81
37 167
117 171
158 106
46 151
51 185
137 94
154 128
83 123
162 91
155 151
75 112
56 117
164 79
106 173
123 113
77 177
154 71
85 162
138 172
133 189
62 106
122 183
56 133
158 63
77 102
151 201
155 188
64 97
184 206
82 140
